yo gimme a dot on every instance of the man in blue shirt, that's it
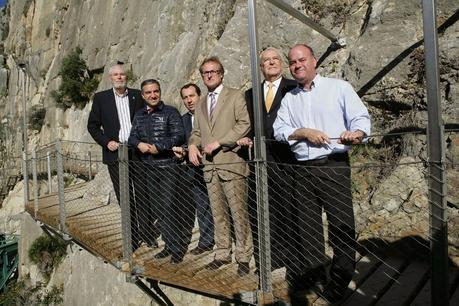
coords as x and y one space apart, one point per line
320 119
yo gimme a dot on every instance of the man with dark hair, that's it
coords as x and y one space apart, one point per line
109 121
320 119
193 181
155 130
221 118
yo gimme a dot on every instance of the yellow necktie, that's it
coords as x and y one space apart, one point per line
269 97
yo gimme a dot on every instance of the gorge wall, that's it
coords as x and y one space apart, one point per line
167 40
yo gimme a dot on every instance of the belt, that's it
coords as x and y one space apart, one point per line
340 157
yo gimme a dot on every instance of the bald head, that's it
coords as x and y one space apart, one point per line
302 64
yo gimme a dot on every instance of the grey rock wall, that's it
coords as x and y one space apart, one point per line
167 40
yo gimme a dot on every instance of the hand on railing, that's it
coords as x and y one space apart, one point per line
179 152
245 142
194 155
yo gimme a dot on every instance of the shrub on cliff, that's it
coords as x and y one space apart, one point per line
47 252
78 85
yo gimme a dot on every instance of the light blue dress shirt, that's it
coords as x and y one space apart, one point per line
331 106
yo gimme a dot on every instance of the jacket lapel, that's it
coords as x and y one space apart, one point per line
112 105
132 103
203 105
278 97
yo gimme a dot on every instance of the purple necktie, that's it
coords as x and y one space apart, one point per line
213 102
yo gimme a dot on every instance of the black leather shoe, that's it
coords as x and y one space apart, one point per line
214 265
163 254
201 249
333 294
243 269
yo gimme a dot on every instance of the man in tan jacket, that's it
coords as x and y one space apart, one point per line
221 118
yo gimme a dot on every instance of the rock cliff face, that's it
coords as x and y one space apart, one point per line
167 40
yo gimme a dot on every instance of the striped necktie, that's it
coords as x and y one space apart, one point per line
213 102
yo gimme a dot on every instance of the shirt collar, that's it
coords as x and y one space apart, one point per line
218 90
315 82
121 96
159 107
276 83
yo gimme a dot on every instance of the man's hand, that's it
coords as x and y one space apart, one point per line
348 137
179 152
144 147
209 148
113 145
315 137
194 155
245 142
153 150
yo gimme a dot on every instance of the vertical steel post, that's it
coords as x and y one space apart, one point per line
124 199
23 68
60 186
437 177
48 163
25 177
90 166
35 182
265 296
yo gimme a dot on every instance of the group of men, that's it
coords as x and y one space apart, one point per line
309 124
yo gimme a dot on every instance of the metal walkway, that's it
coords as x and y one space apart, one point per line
388 279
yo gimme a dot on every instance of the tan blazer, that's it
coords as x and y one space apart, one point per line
230 122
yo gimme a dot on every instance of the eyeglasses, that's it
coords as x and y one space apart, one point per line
210 72
271 59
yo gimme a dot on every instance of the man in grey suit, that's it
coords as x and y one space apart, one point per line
221 118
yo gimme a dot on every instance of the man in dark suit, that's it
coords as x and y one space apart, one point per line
194 186
109 121
274 88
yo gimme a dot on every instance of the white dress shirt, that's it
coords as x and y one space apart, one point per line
124 115
217 92
331 106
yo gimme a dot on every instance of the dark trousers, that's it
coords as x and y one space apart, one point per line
113 170
143 212
159 209
195 192
280 199
324 184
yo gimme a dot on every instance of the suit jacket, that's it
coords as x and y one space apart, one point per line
103 122
187 124
275 151
230 122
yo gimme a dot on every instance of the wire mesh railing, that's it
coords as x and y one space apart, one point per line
171 221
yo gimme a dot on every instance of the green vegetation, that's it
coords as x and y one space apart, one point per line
320 9
78 85
372 162
20 294
47 252
132 78
37 117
